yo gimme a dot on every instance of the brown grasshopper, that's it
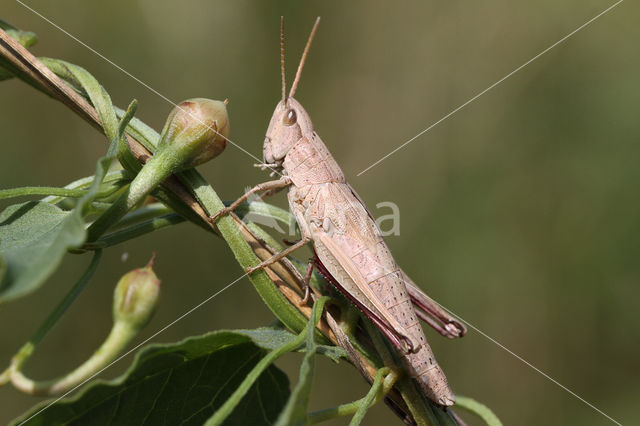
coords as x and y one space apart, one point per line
349 248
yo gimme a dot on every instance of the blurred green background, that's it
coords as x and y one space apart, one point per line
520 213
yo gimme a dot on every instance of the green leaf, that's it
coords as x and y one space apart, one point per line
181 383
25 38
287 345
239 395
34 236
143 133
276 335
78 77
273 298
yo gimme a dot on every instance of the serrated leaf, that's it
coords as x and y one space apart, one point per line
182 383
34 236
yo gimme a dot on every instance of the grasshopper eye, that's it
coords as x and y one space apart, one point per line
291 118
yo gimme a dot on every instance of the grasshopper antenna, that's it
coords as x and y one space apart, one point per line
294 86
284 84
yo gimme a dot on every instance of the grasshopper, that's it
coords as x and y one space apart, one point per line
349 249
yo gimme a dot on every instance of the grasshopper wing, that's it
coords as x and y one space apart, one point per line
349 244
428 310
351 248
360 292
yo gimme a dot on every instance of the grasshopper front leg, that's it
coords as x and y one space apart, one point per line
271 185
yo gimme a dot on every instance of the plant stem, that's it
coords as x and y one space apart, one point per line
134 231
144 213
41 190
478 409
223 412
421 412
27 349
273 298
113 180
156 170
378 390
259 368
119 337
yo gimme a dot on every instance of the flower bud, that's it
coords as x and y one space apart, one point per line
136 296
197 130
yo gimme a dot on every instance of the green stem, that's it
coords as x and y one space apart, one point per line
53 192
41 190
375 394
113 180
27 349
134 231
144 213
226 409
121 334
273 298
350 321
223 412
478 409
157 169
378 390
420 410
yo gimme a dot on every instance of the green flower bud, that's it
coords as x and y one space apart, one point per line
134 301
136 296
196 130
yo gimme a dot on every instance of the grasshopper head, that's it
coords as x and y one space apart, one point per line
288 124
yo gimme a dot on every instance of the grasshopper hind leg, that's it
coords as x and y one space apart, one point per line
276 257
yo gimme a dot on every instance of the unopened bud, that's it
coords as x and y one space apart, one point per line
136 296
195 132
197 129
